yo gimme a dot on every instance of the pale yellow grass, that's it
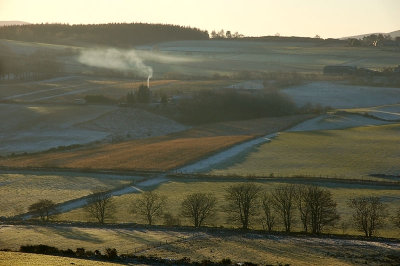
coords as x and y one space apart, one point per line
348 153
18 191
26 259
64 237
215 246
253 248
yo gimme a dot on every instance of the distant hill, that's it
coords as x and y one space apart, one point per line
393 34
112 34
9 23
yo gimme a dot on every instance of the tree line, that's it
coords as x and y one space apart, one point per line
111 34
374 40
225 105
246 205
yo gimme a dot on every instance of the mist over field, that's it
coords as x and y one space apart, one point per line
126 61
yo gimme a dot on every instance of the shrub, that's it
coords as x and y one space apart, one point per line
184 260
111 253
80 252
89 253
226 261
206 262
69 252
39 249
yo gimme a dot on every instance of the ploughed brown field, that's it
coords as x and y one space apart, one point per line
159 153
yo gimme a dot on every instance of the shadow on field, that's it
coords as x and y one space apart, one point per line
325 133
145 239
70 233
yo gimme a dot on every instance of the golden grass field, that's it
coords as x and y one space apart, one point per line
158 153
64 237
154 154
18 191
348 153
215 246
26 259
273 250
175 191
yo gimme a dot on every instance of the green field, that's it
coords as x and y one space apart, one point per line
175 191
348 153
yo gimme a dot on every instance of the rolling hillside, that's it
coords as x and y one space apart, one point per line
393 34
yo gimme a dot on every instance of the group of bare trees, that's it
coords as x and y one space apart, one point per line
374 40
315 206
246 204
225 35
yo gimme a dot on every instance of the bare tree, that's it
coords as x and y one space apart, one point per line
284 204
269 216
150 205
317 208
43 208
100 206
396 218
243 201
303 206
369 214
198 207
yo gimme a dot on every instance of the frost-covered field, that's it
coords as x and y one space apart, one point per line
205 58
32 128
229 55
336 121
215 246
339 95
386 112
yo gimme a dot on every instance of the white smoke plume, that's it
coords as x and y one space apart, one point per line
122 60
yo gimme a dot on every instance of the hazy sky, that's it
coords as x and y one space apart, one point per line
328 18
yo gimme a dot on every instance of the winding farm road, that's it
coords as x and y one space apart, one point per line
81 202
225 155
